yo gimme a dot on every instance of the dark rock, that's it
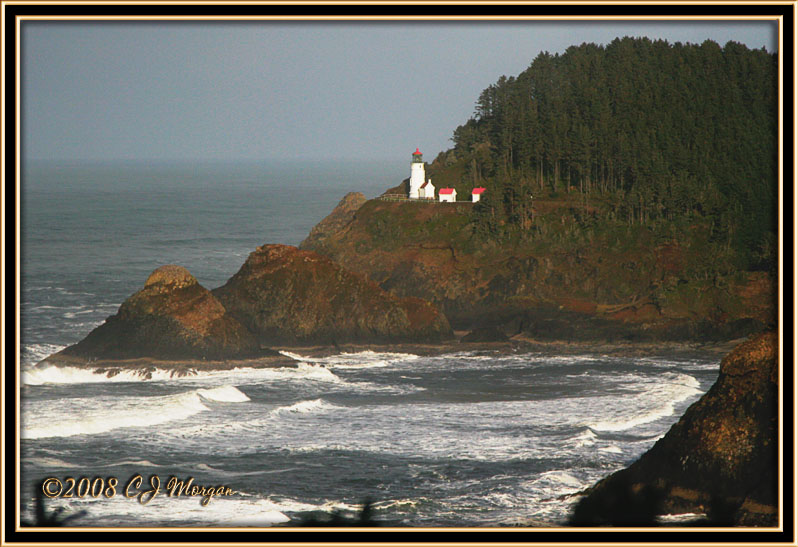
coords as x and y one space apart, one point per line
719 459
343 213
485 334
288 296
172 317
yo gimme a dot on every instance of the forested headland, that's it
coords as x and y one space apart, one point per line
631 190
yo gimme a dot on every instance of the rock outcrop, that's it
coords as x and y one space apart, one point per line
719 459
486 334
343 213
287 296
172 317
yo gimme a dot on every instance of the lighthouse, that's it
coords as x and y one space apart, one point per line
416 175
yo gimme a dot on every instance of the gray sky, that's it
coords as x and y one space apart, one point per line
266 90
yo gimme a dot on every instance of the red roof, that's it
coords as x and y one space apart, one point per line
416 152
446 190
477 190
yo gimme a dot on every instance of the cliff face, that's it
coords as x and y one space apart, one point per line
172 317
288 296
343 213
720 458
622 282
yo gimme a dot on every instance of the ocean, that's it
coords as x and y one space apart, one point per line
469 438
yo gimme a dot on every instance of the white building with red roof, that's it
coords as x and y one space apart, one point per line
476 194
448 194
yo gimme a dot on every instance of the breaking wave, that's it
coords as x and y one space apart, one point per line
361 359
102 414
657 401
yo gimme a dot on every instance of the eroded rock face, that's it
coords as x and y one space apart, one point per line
343 213
720 458
594 291
172 317
289 296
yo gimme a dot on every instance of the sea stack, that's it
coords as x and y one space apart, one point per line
287 296
720 458
173 317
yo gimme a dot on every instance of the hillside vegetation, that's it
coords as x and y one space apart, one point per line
650 132
632 184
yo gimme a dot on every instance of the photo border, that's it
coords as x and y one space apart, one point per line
15 13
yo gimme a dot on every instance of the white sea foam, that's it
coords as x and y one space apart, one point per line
680 518
562 477
33 353
585 438
305 407
136 463
227 394
361 359
399 503
657 400
236 510
50 374
295 356
87 416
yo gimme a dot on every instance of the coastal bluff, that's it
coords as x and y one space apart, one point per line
720 458
287 296
623 285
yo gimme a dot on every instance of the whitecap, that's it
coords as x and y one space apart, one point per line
585 438
361 359
88 416
227 394
305 407
657 400
45 373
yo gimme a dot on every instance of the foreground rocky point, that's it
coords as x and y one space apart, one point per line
720 459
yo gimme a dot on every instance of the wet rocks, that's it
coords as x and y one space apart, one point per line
719 459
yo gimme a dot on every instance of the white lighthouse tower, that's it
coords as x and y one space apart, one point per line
416 175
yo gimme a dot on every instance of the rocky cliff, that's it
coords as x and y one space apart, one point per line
343 213
719 459
569 276
288 296
172 317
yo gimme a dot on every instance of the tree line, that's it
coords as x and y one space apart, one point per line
651 131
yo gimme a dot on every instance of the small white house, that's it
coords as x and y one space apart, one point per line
448 194
476 194
427 190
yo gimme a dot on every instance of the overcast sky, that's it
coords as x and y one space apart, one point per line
260 91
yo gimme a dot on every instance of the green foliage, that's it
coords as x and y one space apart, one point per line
650 131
